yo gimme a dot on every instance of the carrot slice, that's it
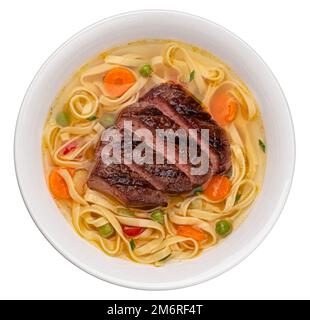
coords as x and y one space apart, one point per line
223 108
217 188
190 232
58 185
117 81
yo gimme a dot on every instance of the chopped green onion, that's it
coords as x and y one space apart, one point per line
165 258
63 119
262 145
238 196
158 216
192 76
132 244
124 212
106 230
223 228
92 118
107 120
145 70
196 204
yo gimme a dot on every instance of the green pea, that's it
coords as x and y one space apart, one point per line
145 70
158 216
124 212
223 228
107 120
106 230
63 119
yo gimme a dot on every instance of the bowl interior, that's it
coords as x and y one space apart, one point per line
160 25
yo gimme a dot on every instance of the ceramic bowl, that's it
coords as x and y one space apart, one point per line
160 25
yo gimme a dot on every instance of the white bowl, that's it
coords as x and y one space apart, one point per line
120 30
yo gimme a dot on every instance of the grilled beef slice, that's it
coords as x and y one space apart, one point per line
164 177
180 106
145 115
120 182
167 106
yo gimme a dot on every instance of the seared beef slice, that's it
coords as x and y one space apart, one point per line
123 184
167 106
176 103
144 115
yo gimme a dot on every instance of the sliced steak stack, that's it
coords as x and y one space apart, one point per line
167 106
120 182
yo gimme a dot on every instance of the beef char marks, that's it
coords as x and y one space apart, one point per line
149 116
218 142
167 106
127 186
134 179
187 112
145 115
165 176
170 179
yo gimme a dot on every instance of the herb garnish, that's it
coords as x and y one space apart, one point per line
262 145
92 118
132 244
192 76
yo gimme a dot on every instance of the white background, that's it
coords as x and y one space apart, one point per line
31 30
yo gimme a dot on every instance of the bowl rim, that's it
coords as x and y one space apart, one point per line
186 282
